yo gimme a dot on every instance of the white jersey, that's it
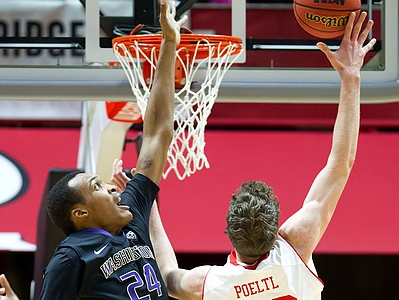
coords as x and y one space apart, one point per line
279 275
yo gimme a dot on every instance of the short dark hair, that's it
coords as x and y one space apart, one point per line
60 202
253 218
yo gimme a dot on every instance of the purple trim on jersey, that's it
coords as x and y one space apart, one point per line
315 275
233 260
96 231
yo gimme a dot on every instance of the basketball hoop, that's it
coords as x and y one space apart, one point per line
201 63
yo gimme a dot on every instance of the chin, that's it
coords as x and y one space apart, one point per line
128 217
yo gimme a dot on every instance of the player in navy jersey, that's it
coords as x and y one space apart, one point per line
107 253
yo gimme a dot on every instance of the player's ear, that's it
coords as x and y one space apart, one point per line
78 217
79 212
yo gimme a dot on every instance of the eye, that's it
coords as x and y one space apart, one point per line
97 186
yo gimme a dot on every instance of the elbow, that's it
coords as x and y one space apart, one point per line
173 282
167 135
345 168
166 130
350 161
342 168
162 134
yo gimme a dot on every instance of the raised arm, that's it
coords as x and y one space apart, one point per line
158 118
181 284
305 228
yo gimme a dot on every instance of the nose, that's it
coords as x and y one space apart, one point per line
111 189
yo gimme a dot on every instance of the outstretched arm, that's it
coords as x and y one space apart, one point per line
6 292
158 118
306 227
181 284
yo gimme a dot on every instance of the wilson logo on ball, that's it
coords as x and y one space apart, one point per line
324 18
327 21
342 2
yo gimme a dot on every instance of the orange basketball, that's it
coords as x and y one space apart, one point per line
324 18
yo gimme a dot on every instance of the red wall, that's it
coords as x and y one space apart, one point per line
193 210
36 150
366 220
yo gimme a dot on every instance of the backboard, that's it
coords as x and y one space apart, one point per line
69 55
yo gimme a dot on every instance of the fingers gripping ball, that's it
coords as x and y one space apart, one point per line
324 18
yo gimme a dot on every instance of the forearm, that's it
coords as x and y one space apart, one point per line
164 253
162 90
346 128
160 107
158 119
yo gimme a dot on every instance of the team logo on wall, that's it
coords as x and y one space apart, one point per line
13 179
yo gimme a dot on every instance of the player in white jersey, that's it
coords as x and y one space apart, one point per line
279 274
281 256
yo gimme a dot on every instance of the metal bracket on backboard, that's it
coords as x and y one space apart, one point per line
94 53
238 25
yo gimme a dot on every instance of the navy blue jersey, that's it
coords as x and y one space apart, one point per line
94 264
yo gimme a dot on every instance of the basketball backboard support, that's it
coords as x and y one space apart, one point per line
101 140
259 76
387 72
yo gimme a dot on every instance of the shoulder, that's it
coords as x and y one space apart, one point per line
65 259
140 187
85 237
283 252
81 244
140 180
61 276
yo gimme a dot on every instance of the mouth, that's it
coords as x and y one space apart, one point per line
118 203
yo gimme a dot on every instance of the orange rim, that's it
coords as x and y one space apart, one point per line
187 41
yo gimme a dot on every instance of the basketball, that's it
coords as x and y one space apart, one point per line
324 18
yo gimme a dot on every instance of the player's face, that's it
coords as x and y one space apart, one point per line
102 203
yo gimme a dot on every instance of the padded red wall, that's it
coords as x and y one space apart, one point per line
193 210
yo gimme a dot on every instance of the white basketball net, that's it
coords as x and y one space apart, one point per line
186 152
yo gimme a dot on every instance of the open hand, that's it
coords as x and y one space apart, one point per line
119 178
350 55
170 27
